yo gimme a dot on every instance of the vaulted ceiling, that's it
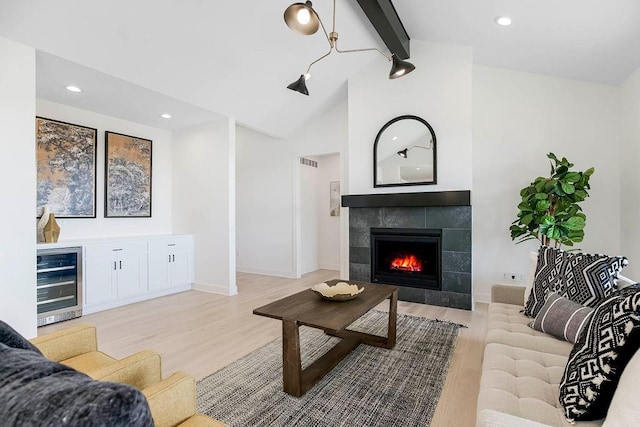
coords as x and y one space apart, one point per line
235 58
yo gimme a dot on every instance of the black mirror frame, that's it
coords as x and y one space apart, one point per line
375 153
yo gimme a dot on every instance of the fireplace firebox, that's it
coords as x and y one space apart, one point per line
407 257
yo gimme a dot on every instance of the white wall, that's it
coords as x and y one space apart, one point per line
17 196
264 204
309 184
439 91
160 221
630 170
517 119
328 226
204 201
328 133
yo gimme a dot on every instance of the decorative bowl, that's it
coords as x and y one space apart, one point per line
341 291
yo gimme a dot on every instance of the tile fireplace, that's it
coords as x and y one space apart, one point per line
391 228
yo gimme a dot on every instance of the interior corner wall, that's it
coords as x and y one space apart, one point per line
18 174
630 174
204 201
264 204
517 119
160 221
328 226
439 91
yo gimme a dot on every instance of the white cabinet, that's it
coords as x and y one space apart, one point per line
114 271
131 269
170 262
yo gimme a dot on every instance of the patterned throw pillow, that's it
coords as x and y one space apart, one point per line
584 278
600 355
562 318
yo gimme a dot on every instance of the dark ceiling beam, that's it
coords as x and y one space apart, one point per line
387 23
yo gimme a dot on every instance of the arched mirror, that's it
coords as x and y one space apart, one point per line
405 153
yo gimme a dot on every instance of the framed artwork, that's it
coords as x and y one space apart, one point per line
66 168
127 176
334 198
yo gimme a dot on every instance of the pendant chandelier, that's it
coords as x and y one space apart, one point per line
303 19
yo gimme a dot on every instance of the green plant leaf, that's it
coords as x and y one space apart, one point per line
542 196
527 219
542 205
548 220
567 188
572 177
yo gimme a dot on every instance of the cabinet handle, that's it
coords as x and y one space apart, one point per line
120 265
114 265
171 244
173 258
116 250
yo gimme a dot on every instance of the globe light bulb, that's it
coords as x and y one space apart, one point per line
303 16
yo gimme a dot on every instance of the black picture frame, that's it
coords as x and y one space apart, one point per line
128 176
66 168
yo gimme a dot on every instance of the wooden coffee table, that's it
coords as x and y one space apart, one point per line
308 309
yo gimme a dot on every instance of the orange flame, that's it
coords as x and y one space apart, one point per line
406 263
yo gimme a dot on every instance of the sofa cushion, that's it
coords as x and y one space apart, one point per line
584 278
37 391
507 325
523 383
11 338
600 355
562 318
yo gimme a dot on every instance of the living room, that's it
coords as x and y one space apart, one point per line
232 180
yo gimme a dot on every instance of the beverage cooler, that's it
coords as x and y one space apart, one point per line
59 284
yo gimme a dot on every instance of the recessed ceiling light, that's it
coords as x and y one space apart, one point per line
505 21
75 89
165 116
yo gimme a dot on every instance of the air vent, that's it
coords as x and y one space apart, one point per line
308 162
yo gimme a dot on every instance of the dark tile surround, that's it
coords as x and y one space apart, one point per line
455 222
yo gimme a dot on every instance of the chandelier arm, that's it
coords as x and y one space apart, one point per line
322 57
389 57
323 28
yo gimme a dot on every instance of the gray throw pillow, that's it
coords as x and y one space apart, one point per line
11 338
562 318
35 391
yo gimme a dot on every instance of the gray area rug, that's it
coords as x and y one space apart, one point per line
370 387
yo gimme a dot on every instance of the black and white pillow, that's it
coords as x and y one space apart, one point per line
600 355
583 278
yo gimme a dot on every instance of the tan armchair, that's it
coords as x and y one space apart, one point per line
172 400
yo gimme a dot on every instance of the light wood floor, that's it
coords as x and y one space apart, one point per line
199 333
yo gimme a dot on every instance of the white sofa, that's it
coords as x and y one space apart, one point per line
522 369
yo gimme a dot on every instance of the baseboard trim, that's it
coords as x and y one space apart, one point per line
482 297
329 267
88 309
214 289
276 273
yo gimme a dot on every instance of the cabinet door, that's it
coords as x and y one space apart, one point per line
100 279
179 268
132 269
159 262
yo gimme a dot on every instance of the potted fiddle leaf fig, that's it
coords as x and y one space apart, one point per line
549 210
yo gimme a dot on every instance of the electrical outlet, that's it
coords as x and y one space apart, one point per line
513 277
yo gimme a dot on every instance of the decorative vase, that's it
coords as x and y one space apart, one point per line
46 210
51 230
